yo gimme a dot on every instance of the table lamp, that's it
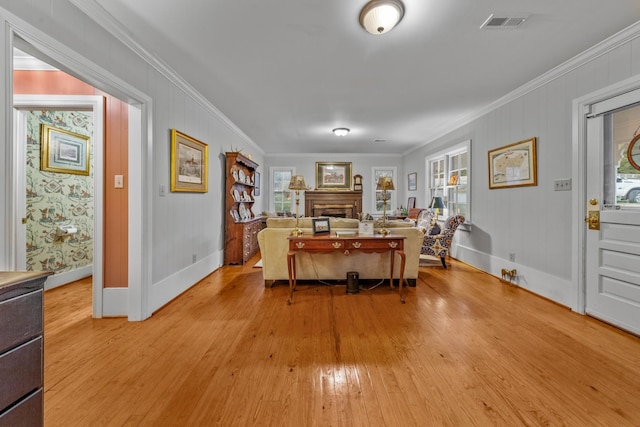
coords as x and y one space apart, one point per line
437 203
297 183
385 183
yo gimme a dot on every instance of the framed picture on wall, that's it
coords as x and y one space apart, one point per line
189 160
333 175
513 165
62 151
413 181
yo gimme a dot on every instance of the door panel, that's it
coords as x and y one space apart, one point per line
613 250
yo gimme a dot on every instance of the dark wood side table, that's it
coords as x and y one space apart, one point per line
326 243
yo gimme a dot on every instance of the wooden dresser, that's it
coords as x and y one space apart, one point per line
21 348
345 204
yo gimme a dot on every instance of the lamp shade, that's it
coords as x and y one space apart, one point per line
385 183
380 16
437 203
297 183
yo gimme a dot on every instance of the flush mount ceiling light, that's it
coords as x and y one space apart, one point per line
340 131
380 16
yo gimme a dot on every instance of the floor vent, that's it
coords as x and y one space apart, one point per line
502 22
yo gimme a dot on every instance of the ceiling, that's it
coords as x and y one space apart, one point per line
287 72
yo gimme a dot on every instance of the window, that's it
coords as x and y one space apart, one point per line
448 177
280 195
378 196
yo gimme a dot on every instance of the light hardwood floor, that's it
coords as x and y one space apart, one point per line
465 350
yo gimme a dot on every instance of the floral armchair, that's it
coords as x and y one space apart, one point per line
424 220
439 244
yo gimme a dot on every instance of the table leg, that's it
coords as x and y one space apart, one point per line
402 261
393 256
291 266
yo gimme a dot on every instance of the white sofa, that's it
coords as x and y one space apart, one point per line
334 266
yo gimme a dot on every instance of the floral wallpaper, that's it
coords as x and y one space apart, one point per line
55 199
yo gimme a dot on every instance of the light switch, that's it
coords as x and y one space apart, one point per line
119 181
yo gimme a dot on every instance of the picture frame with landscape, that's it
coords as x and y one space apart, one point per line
333 176
63 151
189 163
321 226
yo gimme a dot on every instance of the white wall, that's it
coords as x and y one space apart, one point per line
182 224
360 163
532 222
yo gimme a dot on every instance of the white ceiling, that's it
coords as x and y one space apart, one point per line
286 72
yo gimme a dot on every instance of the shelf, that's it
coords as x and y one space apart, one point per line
241 241
243 184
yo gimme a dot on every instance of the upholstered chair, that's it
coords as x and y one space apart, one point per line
412 215
439 244
424 220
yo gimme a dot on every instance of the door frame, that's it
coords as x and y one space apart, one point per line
95 103
582 108
135 301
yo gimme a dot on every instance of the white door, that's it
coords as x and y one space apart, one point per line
613 251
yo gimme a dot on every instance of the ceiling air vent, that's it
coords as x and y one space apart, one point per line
502 22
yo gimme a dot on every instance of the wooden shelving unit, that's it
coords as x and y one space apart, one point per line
241 224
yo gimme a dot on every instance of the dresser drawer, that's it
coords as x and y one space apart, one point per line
21 372
20 319
29 412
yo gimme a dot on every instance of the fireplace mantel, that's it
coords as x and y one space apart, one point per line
346 204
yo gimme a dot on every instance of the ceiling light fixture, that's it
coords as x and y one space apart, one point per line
380 16
341 131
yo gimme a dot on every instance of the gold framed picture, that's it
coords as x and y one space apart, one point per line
513 165
333 175
189 164
62 151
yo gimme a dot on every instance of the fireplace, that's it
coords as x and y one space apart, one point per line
342 204
338 211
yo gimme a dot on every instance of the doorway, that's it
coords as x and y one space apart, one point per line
64 199
612 219
130 301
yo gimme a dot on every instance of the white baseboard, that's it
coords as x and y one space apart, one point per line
115 302
63 278
539 282
170 287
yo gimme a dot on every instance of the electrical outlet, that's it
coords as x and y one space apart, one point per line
562 184
512 256
193 258
118 181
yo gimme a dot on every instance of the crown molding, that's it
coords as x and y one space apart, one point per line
98 14
336 155
594 52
